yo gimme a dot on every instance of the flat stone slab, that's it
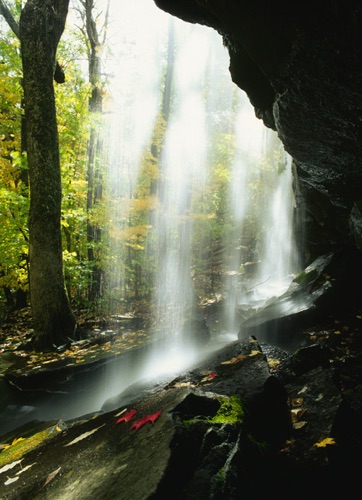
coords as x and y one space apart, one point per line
98 458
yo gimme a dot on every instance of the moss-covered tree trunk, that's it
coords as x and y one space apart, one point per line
41 26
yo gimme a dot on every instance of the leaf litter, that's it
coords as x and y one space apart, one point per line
84 436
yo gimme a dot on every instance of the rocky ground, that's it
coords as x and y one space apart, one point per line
299 430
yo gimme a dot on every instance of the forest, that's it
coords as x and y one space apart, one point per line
94 251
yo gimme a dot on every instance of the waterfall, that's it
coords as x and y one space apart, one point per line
183 169
199 202
279 260
135 68
261 194
218 192
249 133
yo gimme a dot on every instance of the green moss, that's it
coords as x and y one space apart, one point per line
230 411
189 423
304 278
20 446
218 481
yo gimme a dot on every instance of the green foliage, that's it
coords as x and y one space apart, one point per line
13 243
74 125
10 110
14 201
78 276
126 256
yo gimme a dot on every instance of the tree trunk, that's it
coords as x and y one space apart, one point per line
94 174
41 25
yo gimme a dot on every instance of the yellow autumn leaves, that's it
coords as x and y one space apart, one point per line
240 357
298 411
325 442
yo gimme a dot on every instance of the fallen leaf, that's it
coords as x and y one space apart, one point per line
183 384
11 480
299 425
298 413
51 476
288 443
237 359
273 362
208 377
25 469
120 413
60 426
148 418
152 418
325 442
297 402
127 417
10 466
83 436
15 441
305 388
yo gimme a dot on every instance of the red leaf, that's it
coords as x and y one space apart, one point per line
148 418
154 417
127 417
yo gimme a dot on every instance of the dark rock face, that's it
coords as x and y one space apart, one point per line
226 429
321 289
301 68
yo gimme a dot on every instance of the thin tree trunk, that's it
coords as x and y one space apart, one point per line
94 174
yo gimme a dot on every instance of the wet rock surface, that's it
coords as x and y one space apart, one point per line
248 411
320 289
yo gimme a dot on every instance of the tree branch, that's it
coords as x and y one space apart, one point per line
5 12
105 25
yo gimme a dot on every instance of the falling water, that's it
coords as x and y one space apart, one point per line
279 260
202 102
249 133
135 67
183 169
211 134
